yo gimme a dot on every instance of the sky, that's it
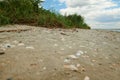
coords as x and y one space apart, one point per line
102 14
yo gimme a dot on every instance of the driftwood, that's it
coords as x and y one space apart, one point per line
14 30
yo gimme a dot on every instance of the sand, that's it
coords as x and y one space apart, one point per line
58 54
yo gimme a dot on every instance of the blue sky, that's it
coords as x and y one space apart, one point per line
53 4
97 13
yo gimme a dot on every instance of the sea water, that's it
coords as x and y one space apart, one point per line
116 30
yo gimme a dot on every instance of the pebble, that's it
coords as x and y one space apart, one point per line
93 60
87 78
71 67
62 49
15 42
99 63
7 45
63 39
72 56
21 44
56 45
79 53
70 47
1 52
30 47
67 60
78 65
9 79
62 33
44 68
83 69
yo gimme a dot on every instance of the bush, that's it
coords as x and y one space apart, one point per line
4 20
29 12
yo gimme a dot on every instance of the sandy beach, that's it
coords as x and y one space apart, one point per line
37 53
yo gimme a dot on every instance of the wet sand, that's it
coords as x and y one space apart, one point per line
58 54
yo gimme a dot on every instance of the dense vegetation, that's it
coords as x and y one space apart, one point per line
29 12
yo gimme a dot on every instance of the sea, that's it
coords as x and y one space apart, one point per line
115 30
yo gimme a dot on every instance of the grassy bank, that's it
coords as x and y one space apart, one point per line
28 12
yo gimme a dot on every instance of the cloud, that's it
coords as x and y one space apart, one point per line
97 13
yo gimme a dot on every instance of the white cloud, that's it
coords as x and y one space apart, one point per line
97 13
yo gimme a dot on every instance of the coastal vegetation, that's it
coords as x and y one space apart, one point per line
31 12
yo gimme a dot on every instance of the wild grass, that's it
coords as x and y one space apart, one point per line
28 12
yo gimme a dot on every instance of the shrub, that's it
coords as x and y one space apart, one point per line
4 20
29 12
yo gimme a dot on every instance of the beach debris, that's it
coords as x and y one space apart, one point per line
72 56
40 60
62 49
99 63
62 33
34 64
71 67
9 46
96 49
67 60
30 47
68 46
83 69
85 51
9 78
82 46
78 65
79 53
37 73
56 45
15 42
44 68
21 44
87 78
2 52
63 39
85 56
93 60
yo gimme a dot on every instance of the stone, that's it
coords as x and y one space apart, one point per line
72 56
1 52
30 47
71 67
21 44
67 60
7 45
86 78
9 79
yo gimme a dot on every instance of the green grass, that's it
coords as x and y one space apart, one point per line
28 12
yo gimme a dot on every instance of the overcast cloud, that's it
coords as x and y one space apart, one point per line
97 13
